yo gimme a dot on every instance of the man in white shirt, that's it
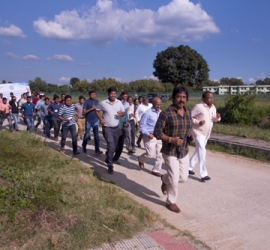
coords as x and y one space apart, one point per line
144 106
203 116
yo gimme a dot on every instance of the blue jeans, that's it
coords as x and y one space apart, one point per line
73 134
94 126
15 117
30 122
47 125
2 119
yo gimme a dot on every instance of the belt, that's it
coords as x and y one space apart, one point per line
81 118
111 127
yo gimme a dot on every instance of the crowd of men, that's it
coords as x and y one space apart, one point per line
166 133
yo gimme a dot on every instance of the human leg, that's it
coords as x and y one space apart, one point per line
64 137
86 135
109 137
159 159
16 120
132 133
150 145
72 130
119 148
201 151
128 138
95 127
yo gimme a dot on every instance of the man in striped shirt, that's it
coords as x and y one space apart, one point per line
66 115
174 129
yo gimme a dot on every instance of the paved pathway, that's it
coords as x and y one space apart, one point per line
231 211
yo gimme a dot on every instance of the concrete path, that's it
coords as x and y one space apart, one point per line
231 211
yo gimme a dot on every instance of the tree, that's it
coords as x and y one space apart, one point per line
266 81
73 81
181 65
4 81
231 81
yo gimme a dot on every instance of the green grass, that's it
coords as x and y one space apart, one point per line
51 201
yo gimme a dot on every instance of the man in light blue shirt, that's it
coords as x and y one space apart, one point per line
151 144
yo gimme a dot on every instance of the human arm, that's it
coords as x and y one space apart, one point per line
195 112
102 122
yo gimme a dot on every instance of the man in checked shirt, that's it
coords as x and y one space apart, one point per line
173 127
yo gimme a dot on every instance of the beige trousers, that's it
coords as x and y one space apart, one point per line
153 148
81 126
177 171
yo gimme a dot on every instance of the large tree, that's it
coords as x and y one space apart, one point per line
181 65
73 81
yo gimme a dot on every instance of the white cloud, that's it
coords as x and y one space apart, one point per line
180 20
262 76
85 64
12 31
11 55
63 58
64 79
251 80
151 77
30 57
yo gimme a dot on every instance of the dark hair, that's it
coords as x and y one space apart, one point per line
129 97
67 96
47 98
4 98
180 89
145 98
11 93
81 97
120 98
91 92
55 97
63 94
124 93
41 96
111 89
135 100
28 97
205 93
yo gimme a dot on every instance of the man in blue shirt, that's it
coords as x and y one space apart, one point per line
66 115
89 112
151 144
53 110
28 112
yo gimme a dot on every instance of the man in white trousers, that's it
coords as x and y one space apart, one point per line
151 143
203 116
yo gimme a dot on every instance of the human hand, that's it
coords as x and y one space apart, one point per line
102 122
151 136
218 115
201 123
94 107
176 141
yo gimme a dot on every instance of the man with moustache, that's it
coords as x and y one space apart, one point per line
204 115
112 109
174 129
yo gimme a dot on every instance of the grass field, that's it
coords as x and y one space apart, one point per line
51 201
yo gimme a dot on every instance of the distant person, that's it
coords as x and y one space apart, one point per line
28 113
151 143
22 100
112 109
142 108
5 113
80 117
89 111
46 117
62 101
39 103
36 99
67 115
136 104
173 127
53 110
15 112
130 135
203 115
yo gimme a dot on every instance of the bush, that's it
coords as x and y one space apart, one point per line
241 109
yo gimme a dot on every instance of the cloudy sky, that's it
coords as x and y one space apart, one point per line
92 39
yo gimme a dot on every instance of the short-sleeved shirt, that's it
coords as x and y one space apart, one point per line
44 109
38 105
28 108
172 124
79 109
91 116
66 112
110 115
55 108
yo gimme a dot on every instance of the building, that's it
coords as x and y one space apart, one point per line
241 89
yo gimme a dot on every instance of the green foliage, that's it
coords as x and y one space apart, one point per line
181 65
266 81
73 81
241 109
231 81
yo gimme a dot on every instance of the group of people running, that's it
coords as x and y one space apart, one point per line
166 133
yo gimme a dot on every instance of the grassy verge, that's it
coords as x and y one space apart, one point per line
50 201
242 131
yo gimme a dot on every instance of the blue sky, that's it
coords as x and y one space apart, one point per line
57 40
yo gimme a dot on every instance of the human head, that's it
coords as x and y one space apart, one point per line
129 99
1 95
41 97
4 100
14 98
140 99
157 103
92 94
124 94
112 93
28 99
37 96
47 100
180 96
56 99
81 99
122 99
24 95
63 96
136 101
208 98
145 100
68 100
11 94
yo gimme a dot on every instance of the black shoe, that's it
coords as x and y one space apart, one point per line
84 149
106 160
206 178
191 172
110 169
99 152
138 145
